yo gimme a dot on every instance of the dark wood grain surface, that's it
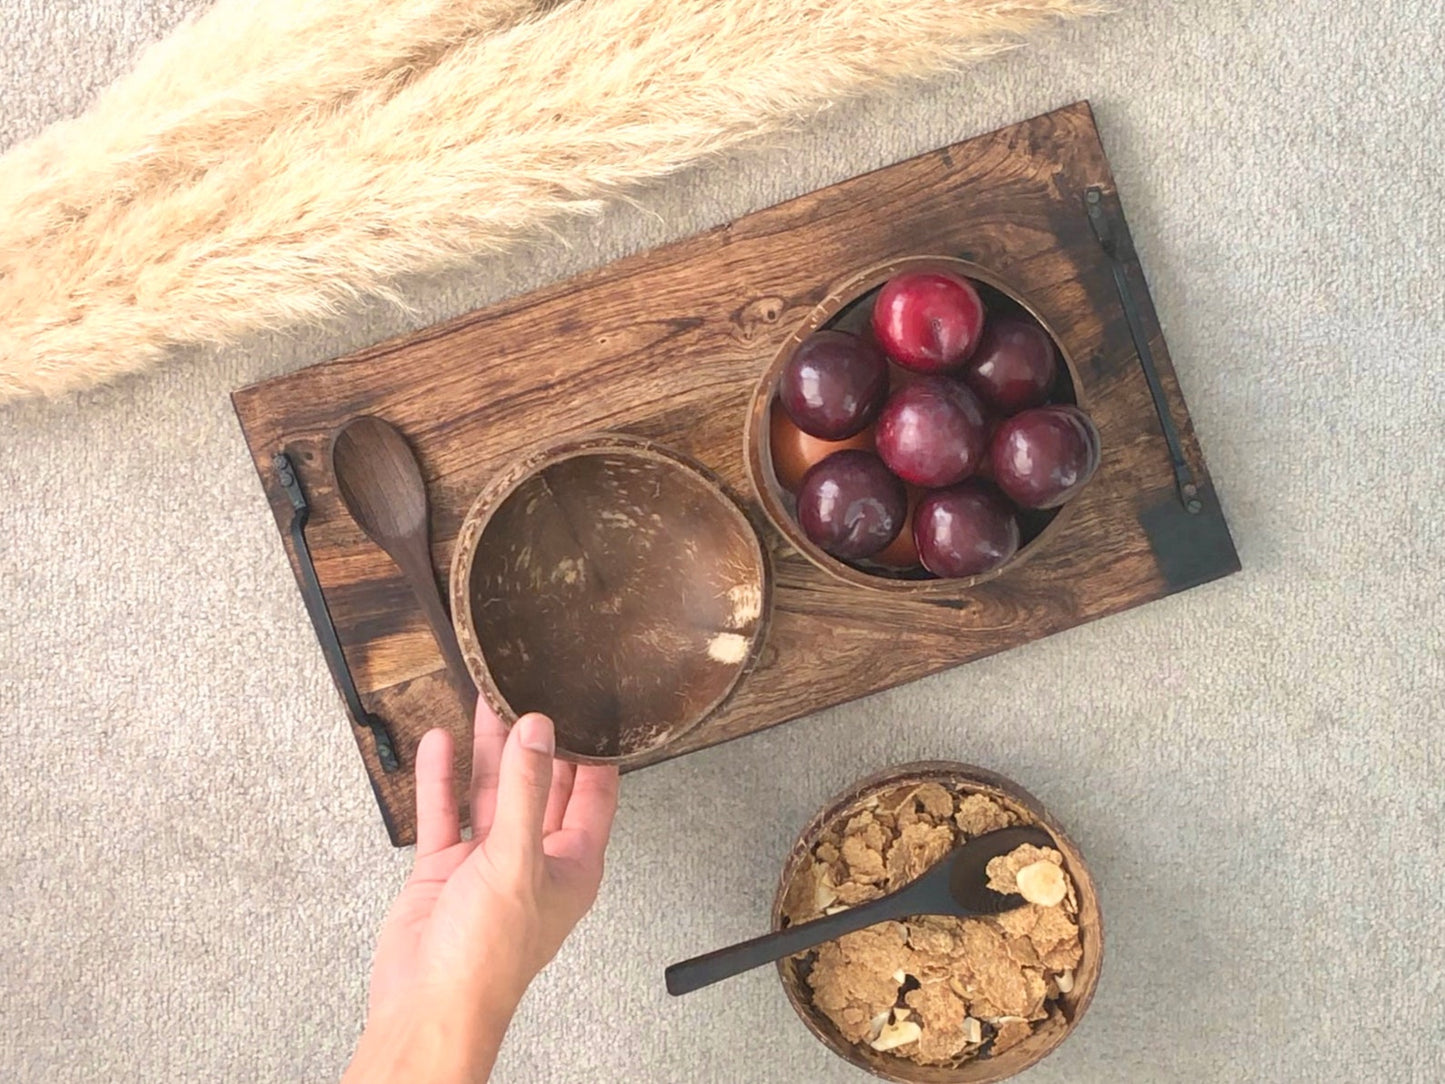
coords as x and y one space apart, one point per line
670 345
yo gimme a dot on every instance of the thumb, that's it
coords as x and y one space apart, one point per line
524 783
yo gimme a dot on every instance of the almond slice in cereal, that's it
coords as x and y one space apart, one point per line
895 1035
877 1024
972 1030
1042 883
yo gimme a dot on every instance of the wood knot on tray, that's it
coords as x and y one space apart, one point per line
757 314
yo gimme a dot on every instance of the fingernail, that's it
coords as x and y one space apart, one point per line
537 734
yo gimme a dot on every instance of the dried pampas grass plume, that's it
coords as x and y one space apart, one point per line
223 82
208 196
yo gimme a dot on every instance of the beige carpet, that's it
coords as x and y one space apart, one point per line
193 868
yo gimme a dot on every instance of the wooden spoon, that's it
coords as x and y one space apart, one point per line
382 487
957 885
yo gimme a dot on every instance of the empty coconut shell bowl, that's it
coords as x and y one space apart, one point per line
611 584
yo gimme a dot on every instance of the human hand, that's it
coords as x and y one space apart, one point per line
478 918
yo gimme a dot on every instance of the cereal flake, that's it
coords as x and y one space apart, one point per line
1010 1035
1003 871
978 813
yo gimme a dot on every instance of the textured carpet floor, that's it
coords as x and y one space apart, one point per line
193 868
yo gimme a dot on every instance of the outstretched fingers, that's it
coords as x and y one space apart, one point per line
524 787
587 824
437 824
489 737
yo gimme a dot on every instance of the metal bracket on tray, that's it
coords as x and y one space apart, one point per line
321 617
1113 236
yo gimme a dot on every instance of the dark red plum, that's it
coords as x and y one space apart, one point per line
834 385
1014 366
932 432
851 505
964 530
928 321
1042 457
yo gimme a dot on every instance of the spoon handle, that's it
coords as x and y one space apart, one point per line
424 586
724 963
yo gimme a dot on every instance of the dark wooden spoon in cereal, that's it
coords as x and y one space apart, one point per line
957 885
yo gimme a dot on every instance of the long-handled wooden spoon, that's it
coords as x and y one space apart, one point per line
382 486
957 885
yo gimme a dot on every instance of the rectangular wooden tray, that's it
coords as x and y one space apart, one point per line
670 345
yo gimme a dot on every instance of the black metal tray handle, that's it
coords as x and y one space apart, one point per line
321 618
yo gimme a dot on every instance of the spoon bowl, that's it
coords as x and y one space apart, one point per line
379 481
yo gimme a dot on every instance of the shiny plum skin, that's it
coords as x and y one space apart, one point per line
834 385
902 552
928 321
933 432
964 530
1043 457
1014 366
850 505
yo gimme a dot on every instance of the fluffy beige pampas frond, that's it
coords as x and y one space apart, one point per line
407 169
224 81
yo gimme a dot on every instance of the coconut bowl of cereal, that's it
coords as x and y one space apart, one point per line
937 999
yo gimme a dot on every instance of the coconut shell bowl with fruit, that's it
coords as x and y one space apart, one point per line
924 432
886 428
